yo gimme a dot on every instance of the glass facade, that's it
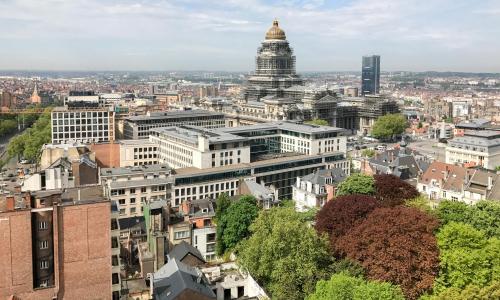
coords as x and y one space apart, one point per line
370 75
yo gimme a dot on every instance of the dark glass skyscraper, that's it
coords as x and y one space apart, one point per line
370 75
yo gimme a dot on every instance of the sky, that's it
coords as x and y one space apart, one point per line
223 35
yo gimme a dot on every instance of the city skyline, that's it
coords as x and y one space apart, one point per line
221 36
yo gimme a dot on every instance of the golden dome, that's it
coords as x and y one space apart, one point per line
275 32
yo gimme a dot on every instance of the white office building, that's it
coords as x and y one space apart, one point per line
481 147
82 124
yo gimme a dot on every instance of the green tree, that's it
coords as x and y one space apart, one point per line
422 203
320 122
467 257
222 204
420 125
232 227
388 126
357 184
346 287
484 215
16 146
285 254
368 153
471 292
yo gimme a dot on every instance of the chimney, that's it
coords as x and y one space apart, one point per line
10 203
490 182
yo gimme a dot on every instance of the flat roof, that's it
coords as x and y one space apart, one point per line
171 114
191 133
134 170
138 183
292 126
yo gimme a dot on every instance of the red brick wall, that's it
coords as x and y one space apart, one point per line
86 241
107 155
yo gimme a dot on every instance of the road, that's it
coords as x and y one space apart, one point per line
429 148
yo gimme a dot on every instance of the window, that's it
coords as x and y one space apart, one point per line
42 225
210 247
114 260
143 189
121 201
207 222
181 234
132 200
132 191
44 264
132 210
44 244
210 237
115 279
122 211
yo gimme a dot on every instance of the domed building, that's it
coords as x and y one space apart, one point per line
275 67
275 92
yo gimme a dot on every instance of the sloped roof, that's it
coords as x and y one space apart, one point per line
182 249
319 177
175 277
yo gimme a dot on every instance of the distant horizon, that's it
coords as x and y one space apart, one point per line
91 35
225 71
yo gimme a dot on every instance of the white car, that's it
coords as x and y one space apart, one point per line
24 161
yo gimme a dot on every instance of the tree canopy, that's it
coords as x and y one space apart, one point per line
484 215
392 191
388 126
338 216
346 287
31 141
232 226
467 257
395 245
284 253
357 184
221 205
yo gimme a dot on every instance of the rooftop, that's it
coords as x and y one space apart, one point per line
134 170
173 114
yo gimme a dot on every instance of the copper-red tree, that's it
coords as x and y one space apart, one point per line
342 214
397 245
392 191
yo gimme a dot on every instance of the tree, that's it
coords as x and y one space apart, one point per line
232 227
320 122
467 257
345 287
392 191
16 146
471 292
284 253
484 215
396 245
420 125
338 216
421 203
221 205
357 184
388 126
368 153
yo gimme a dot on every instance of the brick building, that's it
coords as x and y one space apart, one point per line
56 245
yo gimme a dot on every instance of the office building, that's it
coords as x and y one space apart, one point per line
138 127
370 75
190 146
83 124
137 153
476 147
62 237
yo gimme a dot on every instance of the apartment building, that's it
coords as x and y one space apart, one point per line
138 127
314 190
130 187
62 236
83 124
479 147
